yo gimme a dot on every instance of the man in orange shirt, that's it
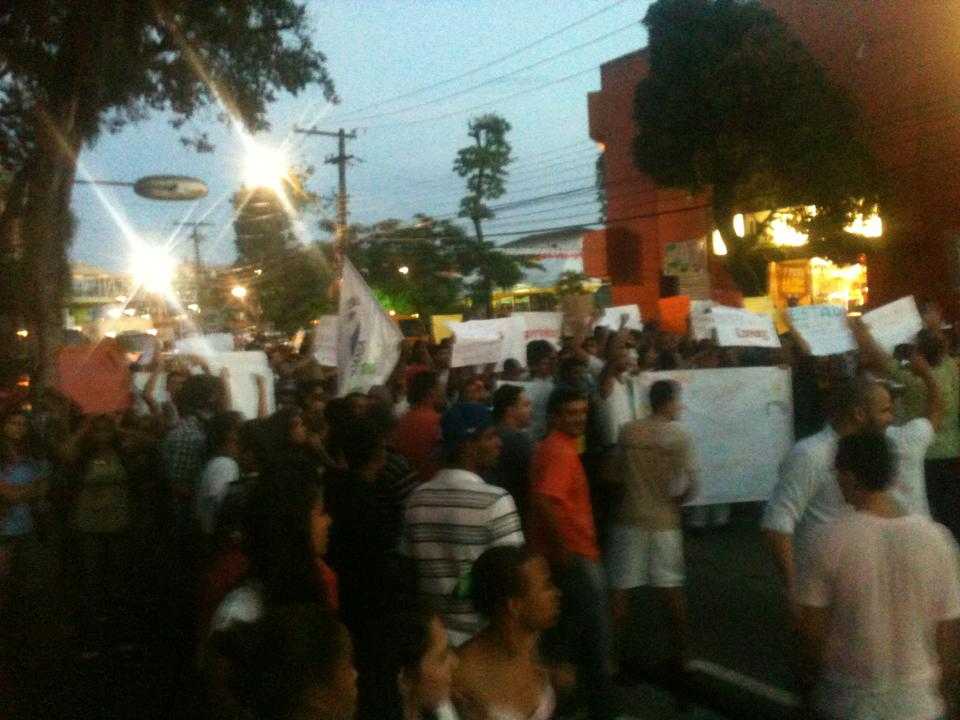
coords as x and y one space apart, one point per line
417 434
563 530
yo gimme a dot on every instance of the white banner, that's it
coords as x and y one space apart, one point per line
541 326
243 369
325 341
740 328
368 341
741 422
205 344
611 317
482 342
701 319
824 328
895 323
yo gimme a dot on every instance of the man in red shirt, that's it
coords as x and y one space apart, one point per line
562 529
417 434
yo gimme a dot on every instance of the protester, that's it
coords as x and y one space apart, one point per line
501 673
451 519
221 470
417 434
541 365
879 599
512 413
656 459
562 529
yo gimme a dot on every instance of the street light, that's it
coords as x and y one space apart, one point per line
265 167
239 292
153 269
403 270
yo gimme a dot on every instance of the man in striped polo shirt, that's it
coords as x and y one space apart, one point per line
453 518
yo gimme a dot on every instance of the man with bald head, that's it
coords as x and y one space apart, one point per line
807 495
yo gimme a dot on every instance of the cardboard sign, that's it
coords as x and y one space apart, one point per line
477 342
701 319
439 326
741 424
325 341
576 310
95 377
741 328
895 323
674 312
824 328
611 317
763 305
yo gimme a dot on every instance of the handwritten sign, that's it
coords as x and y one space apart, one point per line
674 312
895 323
611 317
824 328
541 326
701 319
741 328
243 369
479 342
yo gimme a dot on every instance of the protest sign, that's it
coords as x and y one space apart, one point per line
368 341
439 326
325 341
674 312
763 305
824 328
611 317
242 368
741 424
701 319
741 328
577 310
95 377
205 344
894 323
541 326
482 342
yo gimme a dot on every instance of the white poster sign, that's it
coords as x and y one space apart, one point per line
541 326
612 315
242 371
205 344
895 323
325 341
741 422
482 342
701 319
824 328
368 341
741 328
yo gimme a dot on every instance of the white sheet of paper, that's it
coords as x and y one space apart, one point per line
541 326
476 342
243 367
894 323
740 328
824 328
611 317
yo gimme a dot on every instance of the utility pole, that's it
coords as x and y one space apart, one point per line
340 160
196 238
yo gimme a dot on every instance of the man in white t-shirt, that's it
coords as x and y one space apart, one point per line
807 495
879 600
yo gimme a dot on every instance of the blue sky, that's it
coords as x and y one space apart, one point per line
376 50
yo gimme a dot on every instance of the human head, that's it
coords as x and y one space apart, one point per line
865 464
175 380
420 658
423 389
591 346
572 372
475 390
224 433
313 398
861 404
16 427
665 399
469 437
365 448
541 358
512 406
512 369
201 395
294 664
567 411
510 584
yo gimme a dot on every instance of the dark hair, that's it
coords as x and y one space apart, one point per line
278 659
421 385
341 414
361 441
221 427
308 387
496 577
29 444
570 364
407 637
848 396
563 396
869 458
931 345
198 393
511 365
537 352
505 398
278 541
663 392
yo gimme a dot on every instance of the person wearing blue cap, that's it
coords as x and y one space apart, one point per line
453 518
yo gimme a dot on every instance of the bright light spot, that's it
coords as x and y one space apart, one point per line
258 271
601 147
719 246
130 312
239 292
193 307
870 226
110 334
121 298
114 313
783 234
416 316
153 269
739 225
403 270
265 167
854 314
393 313
151 331
23 333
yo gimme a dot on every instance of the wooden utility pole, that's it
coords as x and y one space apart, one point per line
196 238
340 160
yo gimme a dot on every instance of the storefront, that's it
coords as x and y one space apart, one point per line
816 281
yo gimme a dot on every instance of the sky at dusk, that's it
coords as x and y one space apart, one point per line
378 50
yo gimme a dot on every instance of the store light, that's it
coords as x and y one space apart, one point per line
719 246
868 226
783 234
23 333
739 225
114 313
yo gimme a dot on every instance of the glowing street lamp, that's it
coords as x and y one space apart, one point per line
265 167
153 269
239 292
403 270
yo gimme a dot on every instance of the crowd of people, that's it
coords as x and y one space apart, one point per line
453 545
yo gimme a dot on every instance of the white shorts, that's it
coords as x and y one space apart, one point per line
637 557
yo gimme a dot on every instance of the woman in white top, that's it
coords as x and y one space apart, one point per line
501 675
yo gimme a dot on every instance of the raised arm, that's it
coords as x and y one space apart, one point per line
935 404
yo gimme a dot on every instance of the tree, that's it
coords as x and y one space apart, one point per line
293 288
70 69
735 104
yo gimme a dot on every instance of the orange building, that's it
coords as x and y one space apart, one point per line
900 61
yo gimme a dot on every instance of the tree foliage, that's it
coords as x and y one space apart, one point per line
70 69
484 164
294 288
734 103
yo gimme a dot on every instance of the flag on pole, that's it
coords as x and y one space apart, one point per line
368 341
